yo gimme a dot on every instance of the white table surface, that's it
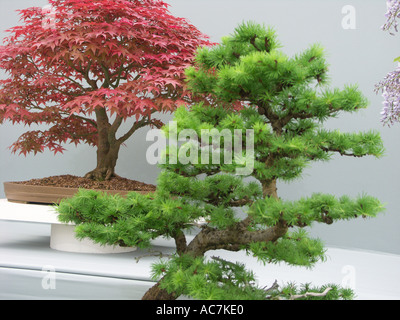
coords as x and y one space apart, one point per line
27 212
25 252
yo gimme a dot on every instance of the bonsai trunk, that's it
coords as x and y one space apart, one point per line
108 145
269 189
231 239
106 161
107 148
156 293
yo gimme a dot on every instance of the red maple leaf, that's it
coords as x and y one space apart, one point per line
101 60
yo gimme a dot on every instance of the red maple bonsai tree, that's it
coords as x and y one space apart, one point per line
86 66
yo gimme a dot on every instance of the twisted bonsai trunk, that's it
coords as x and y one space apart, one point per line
231 239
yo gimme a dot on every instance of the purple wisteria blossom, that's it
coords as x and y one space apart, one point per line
390 86
392 14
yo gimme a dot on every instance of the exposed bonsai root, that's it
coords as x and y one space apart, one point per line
156 293
101 174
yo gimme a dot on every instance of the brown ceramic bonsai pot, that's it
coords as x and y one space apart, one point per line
46 195
52 190
50 194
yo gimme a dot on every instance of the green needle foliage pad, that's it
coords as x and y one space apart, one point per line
284 101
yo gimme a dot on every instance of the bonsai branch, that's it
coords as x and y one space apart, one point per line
153 254
116 124
253 42
234 238
180 242
308 294
137 125
341 152
274 286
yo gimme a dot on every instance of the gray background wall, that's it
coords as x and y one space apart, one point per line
363 55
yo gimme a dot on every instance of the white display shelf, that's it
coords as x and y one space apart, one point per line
27 212
25 250
62 234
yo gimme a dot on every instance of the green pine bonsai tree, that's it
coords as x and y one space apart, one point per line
284 104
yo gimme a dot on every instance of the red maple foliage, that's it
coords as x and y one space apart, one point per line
86 66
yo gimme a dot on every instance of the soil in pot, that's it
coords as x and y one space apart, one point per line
51 190
70 181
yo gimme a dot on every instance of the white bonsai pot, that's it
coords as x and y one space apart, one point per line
63 239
